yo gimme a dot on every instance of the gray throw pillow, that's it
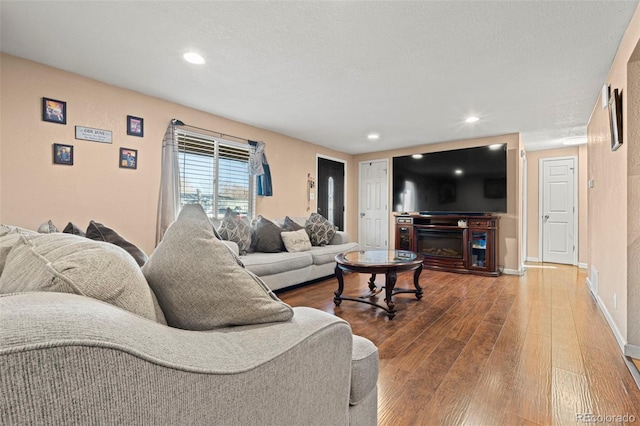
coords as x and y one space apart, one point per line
71 264
233 228
296 241
201 285
266 238
291 225
73 229
320 230
99 232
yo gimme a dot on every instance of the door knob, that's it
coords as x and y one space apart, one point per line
362 214
545 217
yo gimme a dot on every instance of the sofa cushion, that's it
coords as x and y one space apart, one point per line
234 228
73 229
71 264
99 232
296 241
47 228
327 254
266 237
320 230
273 263
201 285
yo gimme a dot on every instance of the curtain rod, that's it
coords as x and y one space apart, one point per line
177 122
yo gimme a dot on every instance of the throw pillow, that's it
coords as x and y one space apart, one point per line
73 229
291 225
320 230
47 228
233 228
267 236
71 264
201 285
98 232
296 241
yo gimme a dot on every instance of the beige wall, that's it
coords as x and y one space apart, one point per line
533 199
34 190
613 195
510 231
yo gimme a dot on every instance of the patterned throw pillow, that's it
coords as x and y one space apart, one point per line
320 230
233 228
47 228
296 241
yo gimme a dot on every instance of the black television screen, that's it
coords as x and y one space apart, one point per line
457 181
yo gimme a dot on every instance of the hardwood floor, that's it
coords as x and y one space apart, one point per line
487 351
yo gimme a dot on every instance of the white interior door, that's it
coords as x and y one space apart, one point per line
374 205
558 210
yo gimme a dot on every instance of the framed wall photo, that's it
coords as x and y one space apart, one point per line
54 111
62 154
128 158
135 126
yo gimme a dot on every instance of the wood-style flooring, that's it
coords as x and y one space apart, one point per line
489 351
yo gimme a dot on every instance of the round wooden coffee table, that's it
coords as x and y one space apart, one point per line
388 262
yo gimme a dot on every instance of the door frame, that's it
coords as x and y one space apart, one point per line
541 200
346 186
386 198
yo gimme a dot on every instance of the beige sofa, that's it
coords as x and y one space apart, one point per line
72 359
281 270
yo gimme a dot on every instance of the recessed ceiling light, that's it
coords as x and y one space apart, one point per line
471 119
575 140
417 156
496 146
193 58
458 171
373 136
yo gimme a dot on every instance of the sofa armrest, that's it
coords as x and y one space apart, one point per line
67 358
340 237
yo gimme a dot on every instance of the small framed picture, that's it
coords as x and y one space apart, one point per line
128 158
135 126
62 154
54 111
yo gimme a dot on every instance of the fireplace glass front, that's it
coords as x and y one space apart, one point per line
440 243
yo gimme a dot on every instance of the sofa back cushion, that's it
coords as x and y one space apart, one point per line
201 285
71 264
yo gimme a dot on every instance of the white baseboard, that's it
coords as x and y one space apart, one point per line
633 370
513 271
632 351
622 342
582 265
533 259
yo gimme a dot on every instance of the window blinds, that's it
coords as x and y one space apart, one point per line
214 173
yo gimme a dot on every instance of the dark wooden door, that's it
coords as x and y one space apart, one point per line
331 191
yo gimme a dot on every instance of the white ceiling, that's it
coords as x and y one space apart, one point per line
329 72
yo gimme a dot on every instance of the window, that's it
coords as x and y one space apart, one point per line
214 173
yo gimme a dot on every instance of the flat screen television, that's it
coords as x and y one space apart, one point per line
470 180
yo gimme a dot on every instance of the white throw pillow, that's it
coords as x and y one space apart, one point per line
296 241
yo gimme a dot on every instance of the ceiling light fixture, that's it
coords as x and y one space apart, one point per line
417 156
575 140
496 146
193 58
373 136
458 171
471 119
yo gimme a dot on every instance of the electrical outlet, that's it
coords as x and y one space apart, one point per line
615 301
591 183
